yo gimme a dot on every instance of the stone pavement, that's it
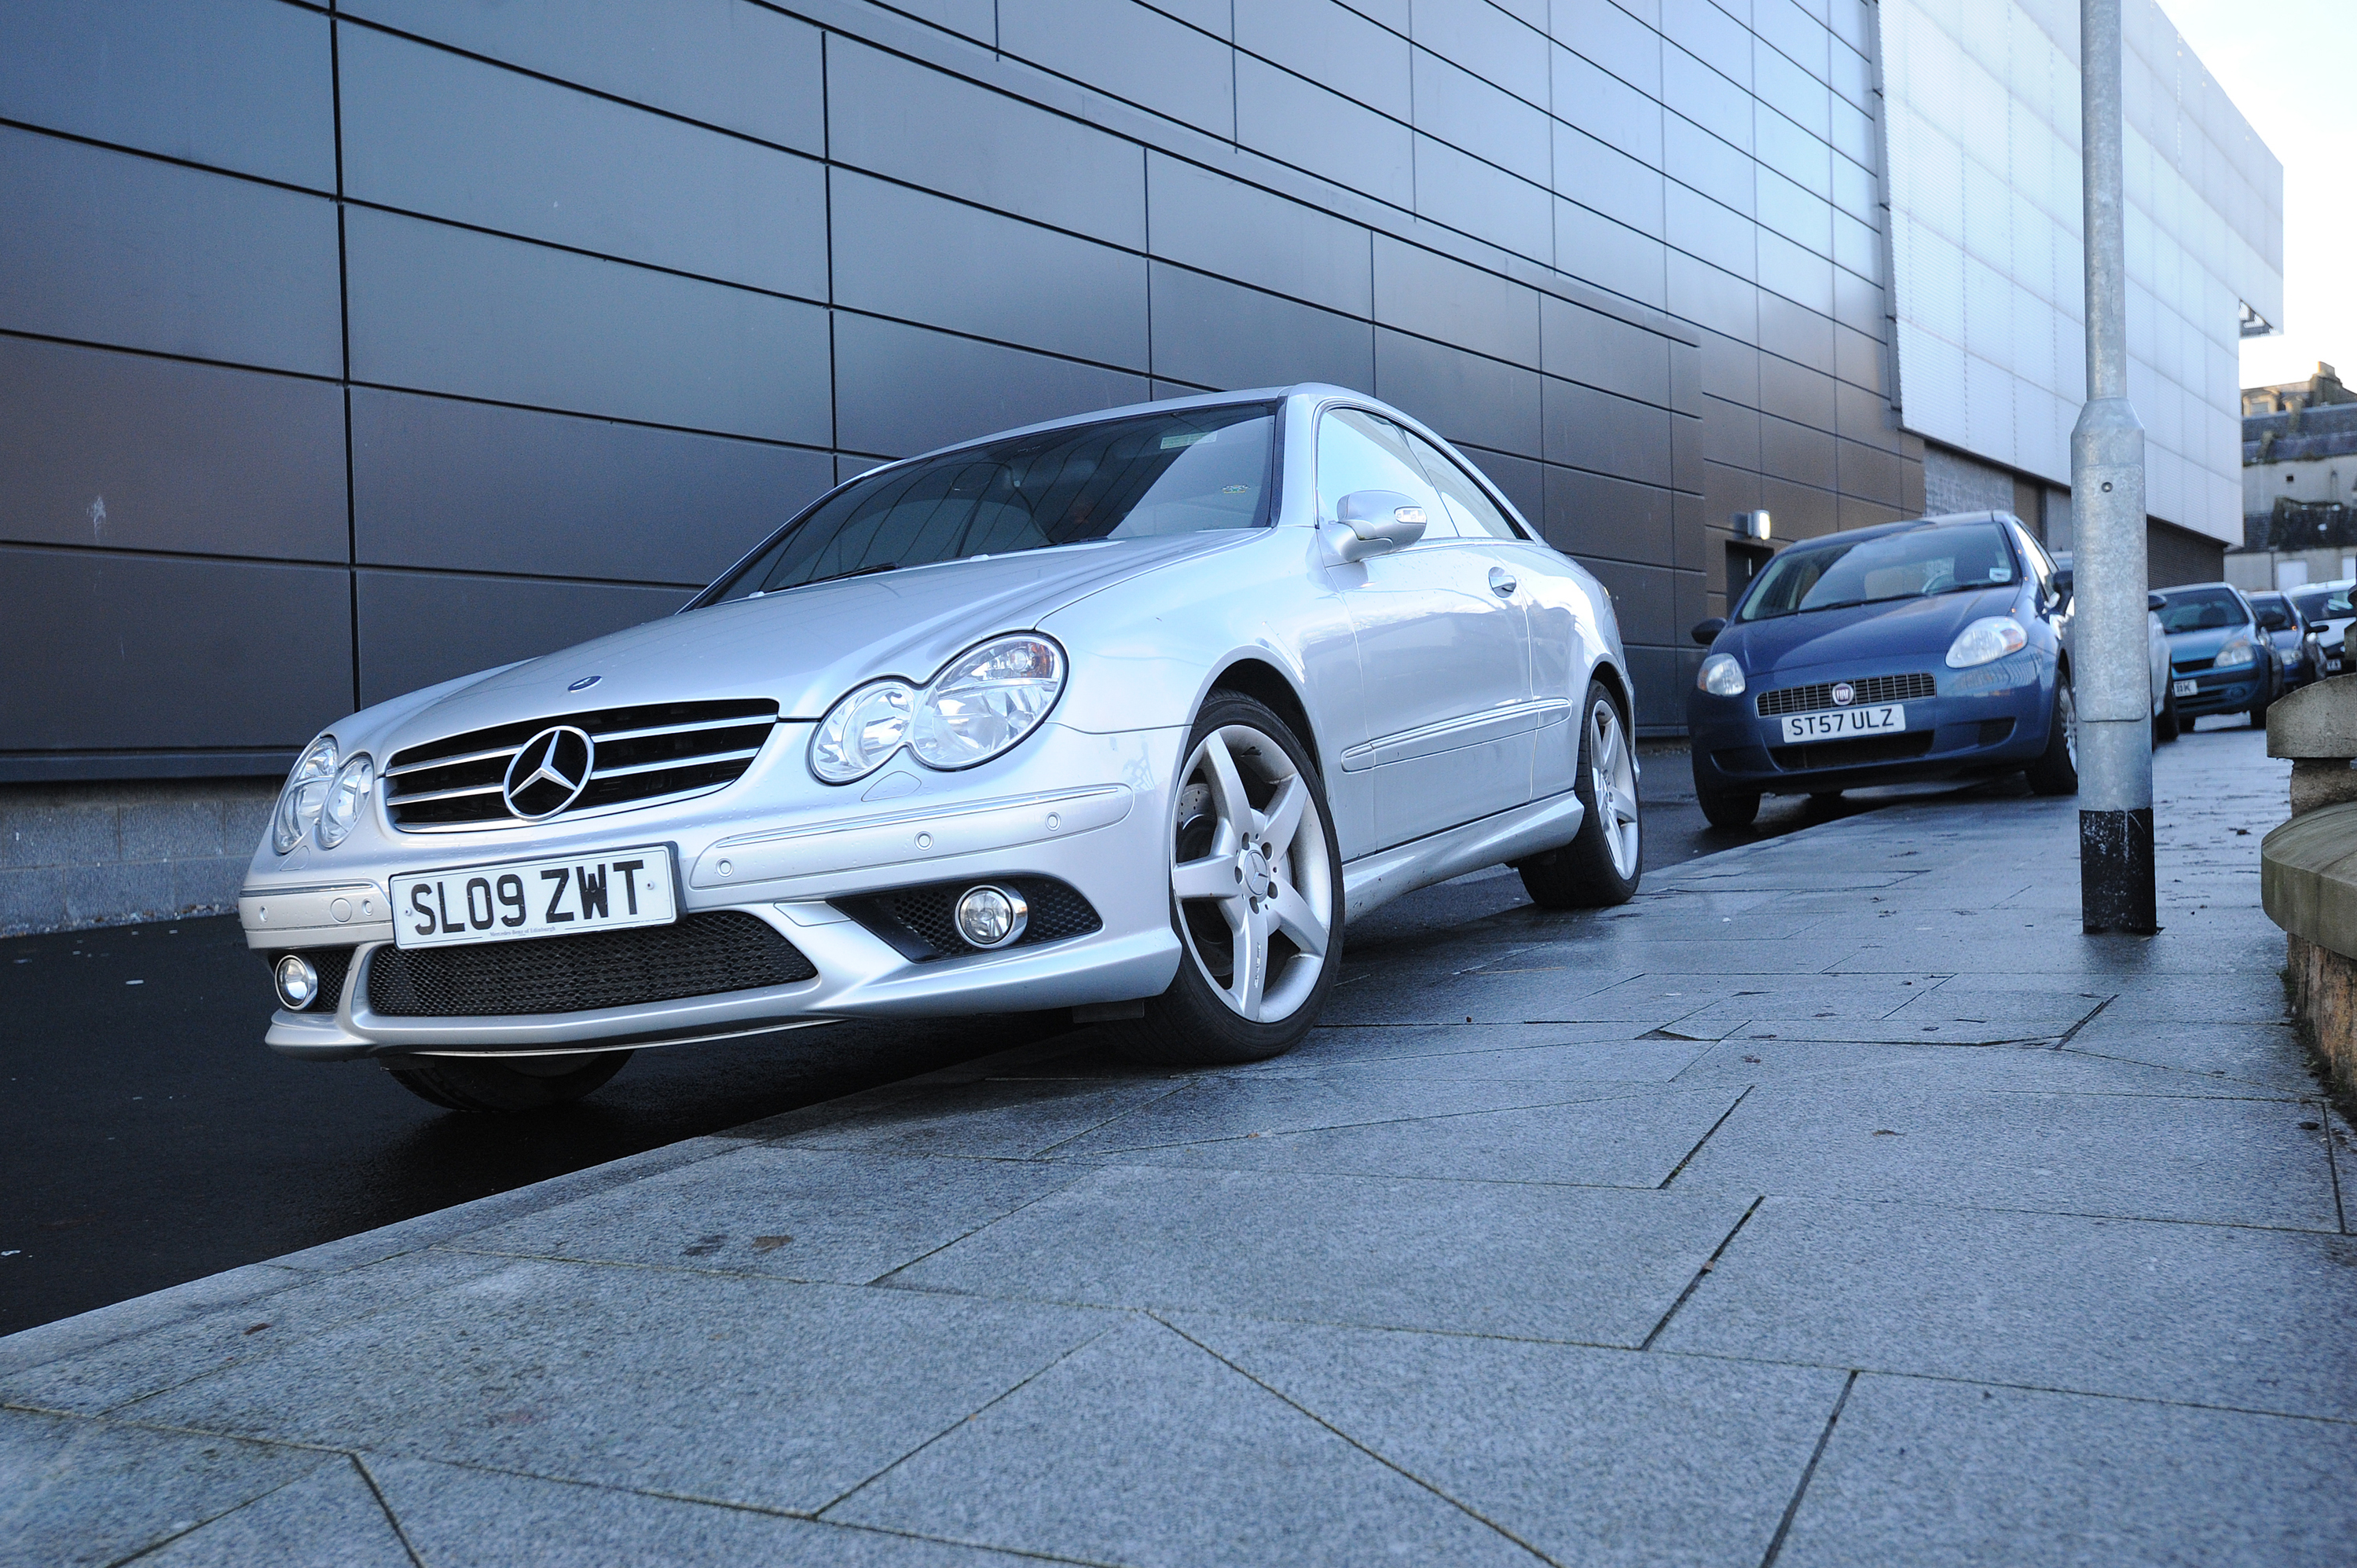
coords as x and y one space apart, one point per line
1838 1201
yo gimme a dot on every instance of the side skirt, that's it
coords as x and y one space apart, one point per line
1373 880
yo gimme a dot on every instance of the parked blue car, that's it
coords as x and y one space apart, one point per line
2220 662
1923 649
2289 632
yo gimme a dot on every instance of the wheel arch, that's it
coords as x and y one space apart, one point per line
1266 684
1616 681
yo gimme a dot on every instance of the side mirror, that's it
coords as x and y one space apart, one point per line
2061 581
1372 522
1706 631
2153 602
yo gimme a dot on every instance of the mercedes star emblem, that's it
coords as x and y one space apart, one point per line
1843 694
549 773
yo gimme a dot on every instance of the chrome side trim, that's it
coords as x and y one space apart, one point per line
1430 740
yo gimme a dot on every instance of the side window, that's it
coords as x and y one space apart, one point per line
1361 451
1475 514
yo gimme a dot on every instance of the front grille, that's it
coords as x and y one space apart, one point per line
1851 753
700 955
662 751
921 923
1905 688
2187 666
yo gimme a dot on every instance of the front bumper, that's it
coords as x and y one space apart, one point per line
2219 691
1990 719
786 864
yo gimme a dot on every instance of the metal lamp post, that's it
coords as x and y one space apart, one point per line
2110 681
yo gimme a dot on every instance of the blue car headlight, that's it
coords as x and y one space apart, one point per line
1987 639
1721 676
2236 654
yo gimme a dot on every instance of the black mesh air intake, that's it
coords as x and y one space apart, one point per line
1852 753
921 923
700 955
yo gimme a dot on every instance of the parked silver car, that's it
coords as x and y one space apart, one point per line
1128 713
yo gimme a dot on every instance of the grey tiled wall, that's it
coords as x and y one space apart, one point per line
341 351
80 854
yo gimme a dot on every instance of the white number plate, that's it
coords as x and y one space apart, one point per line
600 892
1875 718
2184 688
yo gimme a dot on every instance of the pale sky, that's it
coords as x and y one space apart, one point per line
2288 65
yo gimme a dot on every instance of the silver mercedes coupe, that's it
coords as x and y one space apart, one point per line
1128 713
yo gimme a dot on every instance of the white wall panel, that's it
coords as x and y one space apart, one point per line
1982 121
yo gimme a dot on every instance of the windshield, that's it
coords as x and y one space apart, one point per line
2201 609
2322 604
1908 565
2273 613
1187 471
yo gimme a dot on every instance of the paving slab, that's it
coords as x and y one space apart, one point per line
2213 1315
1599 1265
1146 1448
330 1517
754 1391
1933 1473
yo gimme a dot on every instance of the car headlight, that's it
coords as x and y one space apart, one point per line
2234 654
306 792
1987 638
989 698
984 701
1721 675
859 732
341 810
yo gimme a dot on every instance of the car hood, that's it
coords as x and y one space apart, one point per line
2205 642
1861 634
805 647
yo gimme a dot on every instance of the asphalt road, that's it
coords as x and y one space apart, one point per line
146 1137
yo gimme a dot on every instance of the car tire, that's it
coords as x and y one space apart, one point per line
508 1085
1725 808
2165 725
1238 781
1601 866
2056 771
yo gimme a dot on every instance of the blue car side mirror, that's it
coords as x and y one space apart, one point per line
1706 631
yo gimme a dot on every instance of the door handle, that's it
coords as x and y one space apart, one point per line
1502 582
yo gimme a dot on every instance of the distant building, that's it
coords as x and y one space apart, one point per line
2300 484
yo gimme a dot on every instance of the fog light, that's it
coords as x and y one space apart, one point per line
298 981
991 917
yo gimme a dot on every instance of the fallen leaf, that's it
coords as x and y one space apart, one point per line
1884 1133
257 1328
769 1243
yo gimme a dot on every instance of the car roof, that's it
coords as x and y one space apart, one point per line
2188 587
1908 525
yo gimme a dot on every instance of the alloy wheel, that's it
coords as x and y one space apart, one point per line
1250 870
2066 712
1612 785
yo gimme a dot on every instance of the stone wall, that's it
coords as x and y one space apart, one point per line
2324 999
102 854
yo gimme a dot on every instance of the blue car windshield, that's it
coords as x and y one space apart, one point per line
1185 471
1836 574
2201 609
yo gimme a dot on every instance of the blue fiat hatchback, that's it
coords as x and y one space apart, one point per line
1925 649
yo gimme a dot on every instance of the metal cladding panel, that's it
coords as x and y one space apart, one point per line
1608 435
903 253
438 134
1223 226
109 247
460 485
1326 41
1644 598
1610 255
937 131
1129 51
442 309
1584 345
1792 451
1213 333
1299 123
1593 515
1479 118
1429 295
1489 42
1523 480
420 628
1461 191
133 452
1602 179
970 388
146 652
1464 396
244 85
730 63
